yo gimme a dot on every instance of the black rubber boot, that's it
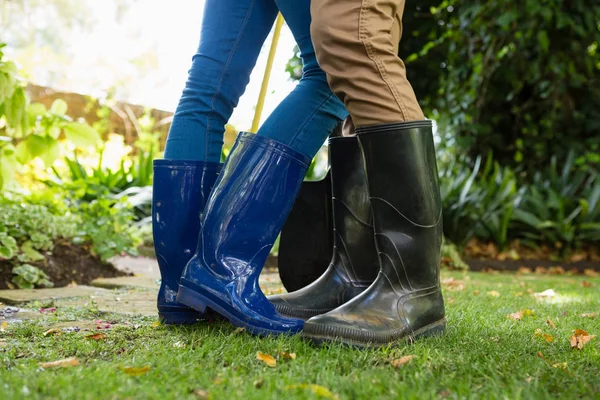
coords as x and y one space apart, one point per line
354 264
405 301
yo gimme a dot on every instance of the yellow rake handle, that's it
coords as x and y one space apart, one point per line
265 82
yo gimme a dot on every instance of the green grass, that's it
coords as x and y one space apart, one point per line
483 354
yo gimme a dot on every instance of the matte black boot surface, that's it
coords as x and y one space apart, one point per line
354 264
405 301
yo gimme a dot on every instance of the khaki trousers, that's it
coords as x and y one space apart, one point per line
356 43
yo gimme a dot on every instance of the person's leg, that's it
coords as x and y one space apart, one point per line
305 118
254 194
233 32
355 42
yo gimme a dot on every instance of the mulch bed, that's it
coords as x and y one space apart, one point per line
66 264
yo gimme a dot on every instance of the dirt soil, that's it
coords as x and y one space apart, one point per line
66 264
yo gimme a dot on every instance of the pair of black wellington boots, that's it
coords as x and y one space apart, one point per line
383 283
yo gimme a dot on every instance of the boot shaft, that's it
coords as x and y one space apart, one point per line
403 188
354 243
249 204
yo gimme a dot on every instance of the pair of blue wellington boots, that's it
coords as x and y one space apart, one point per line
214 226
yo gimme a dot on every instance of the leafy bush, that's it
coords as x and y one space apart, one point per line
477 202
521 79
560 208
31 224
27 228
27 277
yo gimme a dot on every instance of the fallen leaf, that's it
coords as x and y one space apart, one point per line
548 338
4 326
97 336
476 292
266 358
135 371
560 365
540 354
517 316
493 293
541 270
287 356
580 338
401 361
453 285
545 294
155 324
67 362
590 315
54 331
318 390
549 322
201 394
524 270
591 273
586 283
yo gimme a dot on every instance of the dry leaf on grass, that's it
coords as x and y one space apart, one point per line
54 331
401 361
97 336
580 338
266 358
545 294
540 354
67 362
560 365
318 390
4 326
517 316
476 292
549 322
586 283
493 293
590 315
201 394
287 356
155 324
135 371
453 285
548 338
591 273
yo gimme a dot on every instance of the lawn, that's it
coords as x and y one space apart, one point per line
484 353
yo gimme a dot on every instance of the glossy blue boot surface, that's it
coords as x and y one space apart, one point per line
243 216
180 191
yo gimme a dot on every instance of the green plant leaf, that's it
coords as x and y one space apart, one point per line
81 134
52 152
59 107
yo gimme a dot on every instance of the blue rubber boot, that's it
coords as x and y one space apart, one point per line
180 191
243 216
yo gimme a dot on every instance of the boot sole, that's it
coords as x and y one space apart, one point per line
200 302
180 317
319 338
304 313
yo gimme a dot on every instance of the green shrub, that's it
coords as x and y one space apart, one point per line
477 202
560 208
521 79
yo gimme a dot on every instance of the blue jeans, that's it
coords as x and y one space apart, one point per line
233 32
